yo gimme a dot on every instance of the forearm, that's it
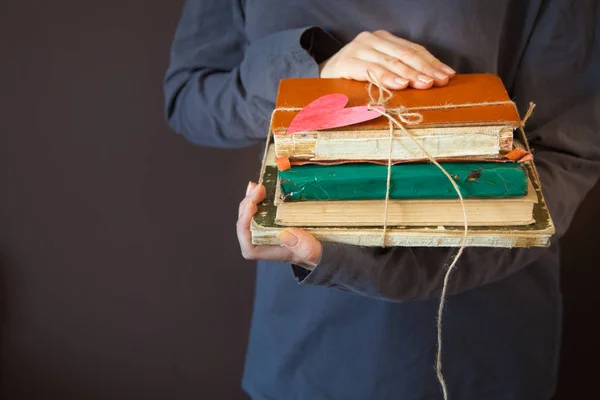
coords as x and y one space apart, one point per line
233 108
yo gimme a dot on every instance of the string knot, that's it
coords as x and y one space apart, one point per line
383 95
409 118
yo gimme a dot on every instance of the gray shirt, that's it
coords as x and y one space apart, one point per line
362 324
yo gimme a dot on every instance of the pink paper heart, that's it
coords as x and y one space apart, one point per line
328 112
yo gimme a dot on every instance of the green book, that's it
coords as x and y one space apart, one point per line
364 181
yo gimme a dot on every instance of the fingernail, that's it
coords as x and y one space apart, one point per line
401 81
448 70
440 76
249 188
288 239
425 79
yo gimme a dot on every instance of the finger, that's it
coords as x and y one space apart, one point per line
413 58
244 205
357 70
437 64
258 193
403 49
409 63
247 210
305 247
269 253
417 79
244 234
252 252
249 206
307 253
419 59
251 186
423 52
394 67
254 194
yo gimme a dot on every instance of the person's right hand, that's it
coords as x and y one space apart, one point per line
396 62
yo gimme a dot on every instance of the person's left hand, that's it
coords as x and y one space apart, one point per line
298 246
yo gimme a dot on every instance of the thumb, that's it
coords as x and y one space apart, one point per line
305 248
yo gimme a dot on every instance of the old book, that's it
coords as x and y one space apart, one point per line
423 212
265 228
350 195
471 116
408 181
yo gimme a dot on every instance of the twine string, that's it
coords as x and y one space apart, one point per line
413 118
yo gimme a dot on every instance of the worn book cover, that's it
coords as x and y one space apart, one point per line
471 116
407 181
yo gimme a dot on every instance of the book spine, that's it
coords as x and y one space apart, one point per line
444 142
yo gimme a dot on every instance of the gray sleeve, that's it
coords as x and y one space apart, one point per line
558 71
220 88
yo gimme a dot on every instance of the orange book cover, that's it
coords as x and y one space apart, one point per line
472 116
453 101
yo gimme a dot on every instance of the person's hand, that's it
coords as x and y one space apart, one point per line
298 246
396 62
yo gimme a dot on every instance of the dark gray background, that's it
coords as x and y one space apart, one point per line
120 275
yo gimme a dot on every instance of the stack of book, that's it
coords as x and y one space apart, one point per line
333 181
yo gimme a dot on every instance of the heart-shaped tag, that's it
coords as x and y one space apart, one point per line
329 112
